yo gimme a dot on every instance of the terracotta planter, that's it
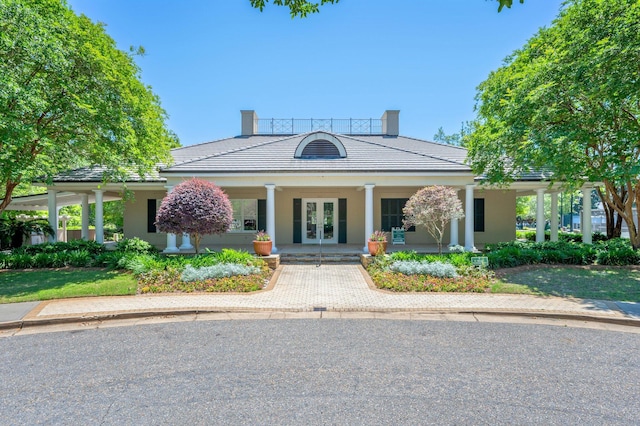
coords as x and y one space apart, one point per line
262 248
377 247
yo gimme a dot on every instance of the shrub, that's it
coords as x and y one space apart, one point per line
80 258
434 269
617 252
135 245
216 271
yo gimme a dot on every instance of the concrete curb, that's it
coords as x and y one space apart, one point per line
20 324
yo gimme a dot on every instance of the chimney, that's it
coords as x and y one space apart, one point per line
249 122
391 122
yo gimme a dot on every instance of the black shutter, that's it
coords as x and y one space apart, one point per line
262 215
151 215
297 220
342 221
478 215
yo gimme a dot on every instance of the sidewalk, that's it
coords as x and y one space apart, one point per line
307 288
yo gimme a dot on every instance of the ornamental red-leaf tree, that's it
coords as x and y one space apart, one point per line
433 207
195 207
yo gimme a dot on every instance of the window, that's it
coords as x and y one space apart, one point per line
478 215
392 215
245 215
153 206
320 149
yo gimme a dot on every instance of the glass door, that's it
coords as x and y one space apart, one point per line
320 221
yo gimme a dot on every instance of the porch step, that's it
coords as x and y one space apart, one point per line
314 258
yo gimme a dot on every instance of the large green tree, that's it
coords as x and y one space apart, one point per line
69 98
568 103
303 8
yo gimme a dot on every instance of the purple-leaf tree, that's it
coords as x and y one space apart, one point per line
195 207
433 207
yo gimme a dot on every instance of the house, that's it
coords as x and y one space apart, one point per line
306 181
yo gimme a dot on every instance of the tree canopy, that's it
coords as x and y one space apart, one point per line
568 104
302 8
196 207
433 207
70 98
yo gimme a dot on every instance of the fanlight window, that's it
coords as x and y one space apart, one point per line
320 145
320 149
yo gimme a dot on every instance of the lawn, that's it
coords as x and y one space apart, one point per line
585 282
44 284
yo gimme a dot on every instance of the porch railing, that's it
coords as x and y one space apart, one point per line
292 126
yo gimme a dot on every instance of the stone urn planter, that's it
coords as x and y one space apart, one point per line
262 245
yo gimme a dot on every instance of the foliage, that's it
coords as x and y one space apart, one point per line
434 269
456 249
302 8
617 252
13 231
378 236
216 271
395 281
433 207
135 245
262 236
575 237
197 207
568 104
92 247
169 280
69 98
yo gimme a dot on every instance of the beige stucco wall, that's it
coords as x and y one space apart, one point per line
499 215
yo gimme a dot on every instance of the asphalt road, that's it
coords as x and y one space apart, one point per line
322 372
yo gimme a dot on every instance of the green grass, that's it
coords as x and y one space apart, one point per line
26 286
610 283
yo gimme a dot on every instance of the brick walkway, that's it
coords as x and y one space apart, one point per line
342 288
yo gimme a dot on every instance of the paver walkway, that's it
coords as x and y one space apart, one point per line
330 287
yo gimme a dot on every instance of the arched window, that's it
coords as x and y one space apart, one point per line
320 145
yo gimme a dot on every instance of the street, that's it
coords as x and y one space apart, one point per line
321 372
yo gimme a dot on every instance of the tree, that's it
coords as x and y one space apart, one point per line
433 207
195 207
568 104
455 139
70 98
302 8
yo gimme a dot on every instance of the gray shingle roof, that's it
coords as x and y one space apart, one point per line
97 173
276 154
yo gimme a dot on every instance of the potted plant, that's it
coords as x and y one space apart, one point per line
377 243
262 244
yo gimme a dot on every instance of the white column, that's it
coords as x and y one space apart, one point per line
84 234
99 216
554 216
540 215
271 215
53 213
469 243
454 240
186 242
368 213
171 238
586 214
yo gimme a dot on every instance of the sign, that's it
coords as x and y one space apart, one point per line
480 261
397 235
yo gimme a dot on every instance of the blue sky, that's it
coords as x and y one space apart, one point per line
208 59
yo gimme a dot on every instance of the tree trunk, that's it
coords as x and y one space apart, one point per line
624 206
614 219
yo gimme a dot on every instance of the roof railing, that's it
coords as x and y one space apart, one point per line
293 126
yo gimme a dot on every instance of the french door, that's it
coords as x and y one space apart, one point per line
320 220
